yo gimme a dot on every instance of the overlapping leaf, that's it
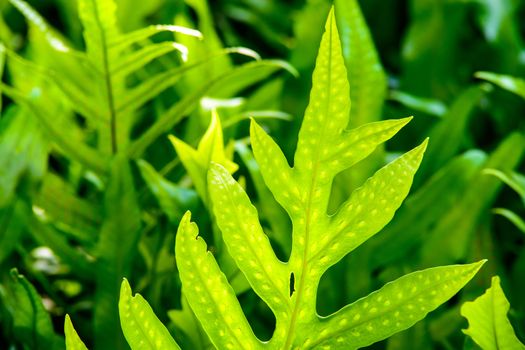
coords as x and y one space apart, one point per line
211 148
325 148
489 326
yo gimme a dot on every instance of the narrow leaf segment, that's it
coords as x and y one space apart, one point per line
142 329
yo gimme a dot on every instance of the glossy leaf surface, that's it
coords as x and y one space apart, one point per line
489 326
324 149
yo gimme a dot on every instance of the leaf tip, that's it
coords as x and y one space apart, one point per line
125 290
174 140
186 218
187 228
476 266
407 119
417 153
67 322
424 144
255 128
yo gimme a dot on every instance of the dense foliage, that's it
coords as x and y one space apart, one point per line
269 124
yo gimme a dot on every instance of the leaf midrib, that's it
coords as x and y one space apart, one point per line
300 286
107 79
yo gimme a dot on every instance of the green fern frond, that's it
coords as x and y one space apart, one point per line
142 329
324 149
103 94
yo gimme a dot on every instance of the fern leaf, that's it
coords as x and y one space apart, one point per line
489 326
111 58
142 329
197 161
100 26
319 240
212 299
73 341
353 224
239 223
395 307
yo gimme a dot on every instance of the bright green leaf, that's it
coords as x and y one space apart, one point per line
324 149
210 148
219 311
395 307
142 329
73 341
489 326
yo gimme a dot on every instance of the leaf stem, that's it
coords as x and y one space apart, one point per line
109 86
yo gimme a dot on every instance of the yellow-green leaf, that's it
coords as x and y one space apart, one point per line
73 341
142 329
489 326
209 294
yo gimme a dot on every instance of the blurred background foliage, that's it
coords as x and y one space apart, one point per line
76 214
